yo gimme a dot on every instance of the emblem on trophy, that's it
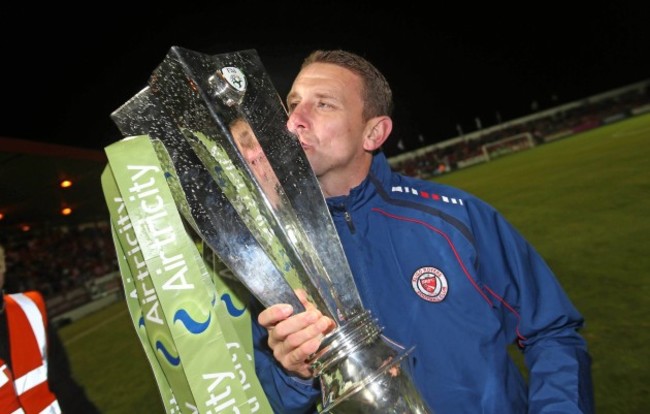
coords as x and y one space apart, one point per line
246 188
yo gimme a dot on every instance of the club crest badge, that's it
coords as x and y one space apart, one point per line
235 78
430 284
229 84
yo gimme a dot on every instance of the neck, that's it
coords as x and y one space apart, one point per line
339 183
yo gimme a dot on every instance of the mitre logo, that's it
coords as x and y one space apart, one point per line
430 284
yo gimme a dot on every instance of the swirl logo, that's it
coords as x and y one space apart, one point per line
191 324
230 306
172 359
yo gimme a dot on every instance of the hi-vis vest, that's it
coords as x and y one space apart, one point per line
24 388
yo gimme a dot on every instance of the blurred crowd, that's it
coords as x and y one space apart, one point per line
544 127
60 259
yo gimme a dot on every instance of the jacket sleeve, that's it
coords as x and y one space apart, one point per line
540 316
69 393
286 394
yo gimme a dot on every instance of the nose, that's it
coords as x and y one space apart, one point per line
297 119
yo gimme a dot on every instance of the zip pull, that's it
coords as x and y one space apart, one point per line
348 219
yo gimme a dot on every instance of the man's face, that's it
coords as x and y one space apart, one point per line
247 141
252 152
325 111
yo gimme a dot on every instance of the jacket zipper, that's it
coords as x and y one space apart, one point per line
348 220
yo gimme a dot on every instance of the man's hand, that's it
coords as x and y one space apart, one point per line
293 338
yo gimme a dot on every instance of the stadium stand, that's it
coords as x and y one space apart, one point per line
72 266
544 127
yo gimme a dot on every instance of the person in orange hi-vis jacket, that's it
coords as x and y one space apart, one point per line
35 375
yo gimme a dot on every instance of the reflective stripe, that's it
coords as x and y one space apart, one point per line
33 314
26 320
52 408
4 378
9 402
31 379
35 320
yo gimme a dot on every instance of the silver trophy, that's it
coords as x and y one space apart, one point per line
245 187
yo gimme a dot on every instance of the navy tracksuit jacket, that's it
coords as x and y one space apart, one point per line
443 271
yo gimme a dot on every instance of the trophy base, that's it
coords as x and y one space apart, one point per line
360 372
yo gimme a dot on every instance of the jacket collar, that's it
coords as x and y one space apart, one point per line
380 171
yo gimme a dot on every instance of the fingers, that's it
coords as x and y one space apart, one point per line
296 361
270 316
299 328
293 338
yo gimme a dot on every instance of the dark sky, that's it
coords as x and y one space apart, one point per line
64 70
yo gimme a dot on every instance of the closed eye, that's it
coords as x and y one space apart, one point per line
291 106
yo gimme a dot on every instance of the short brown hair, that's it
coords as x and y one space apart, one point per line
377 95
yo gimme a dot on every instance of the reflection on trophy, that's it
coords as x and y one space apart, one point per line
246 188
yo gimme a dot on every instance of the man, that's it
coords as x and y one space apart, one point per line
35 373
440 269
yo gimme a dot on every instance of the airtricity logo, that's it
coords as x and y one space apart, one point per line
430 284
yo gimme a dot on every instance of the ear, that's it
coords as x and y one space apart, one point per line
377 131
